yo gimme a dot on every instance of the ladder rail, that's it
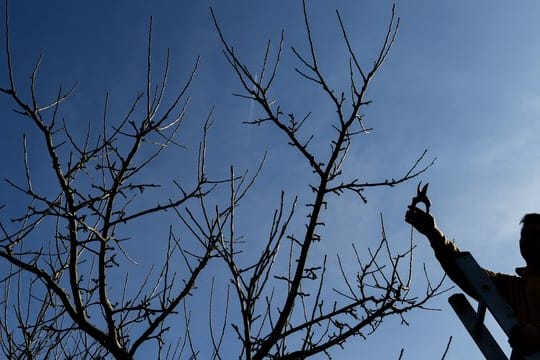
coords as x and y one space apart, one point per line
489 297
478 331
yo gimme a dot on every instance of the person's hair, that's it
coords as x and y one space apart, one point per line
531 219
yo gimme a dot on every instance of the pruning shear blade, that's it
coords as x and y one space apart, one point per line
421 197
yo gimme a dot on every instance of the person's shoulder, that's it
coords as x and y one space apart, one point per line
527 272
503 277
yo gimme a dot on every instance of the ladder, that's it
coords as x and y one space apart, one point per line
489 298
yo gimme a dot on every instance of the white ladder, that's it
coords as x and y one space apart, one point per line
489 298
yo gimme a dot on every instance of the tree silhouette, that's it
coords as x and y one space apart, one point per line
67 289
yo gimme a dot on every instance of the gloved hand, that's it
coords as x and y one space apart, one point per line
422 221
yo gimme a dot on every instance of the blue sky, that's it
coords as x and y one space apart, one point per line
461 81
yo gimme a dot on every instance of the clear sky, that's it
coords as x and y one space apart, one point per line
463 81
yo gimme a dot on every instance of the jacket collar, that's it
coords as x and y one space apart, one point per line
526 271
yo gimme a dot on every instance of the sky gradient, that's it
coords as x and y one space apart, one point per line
461 81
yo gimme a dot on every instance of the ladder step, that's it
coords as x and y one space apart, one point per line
476 328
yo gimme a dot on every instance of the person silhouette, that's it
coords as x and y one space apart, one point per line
521 291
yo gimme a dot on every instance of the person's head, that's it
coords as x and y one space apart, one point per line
529 243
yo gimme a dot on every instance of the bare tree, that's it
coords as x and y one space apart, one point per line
309 318
64 252
71 244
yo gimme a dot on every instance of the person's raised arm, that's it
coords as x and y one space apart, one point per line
445 250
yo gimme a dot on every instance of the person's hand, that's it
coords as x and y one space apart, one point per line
421 221
525 338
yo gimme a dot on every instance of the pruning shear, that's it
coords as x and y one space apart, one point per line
421 197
